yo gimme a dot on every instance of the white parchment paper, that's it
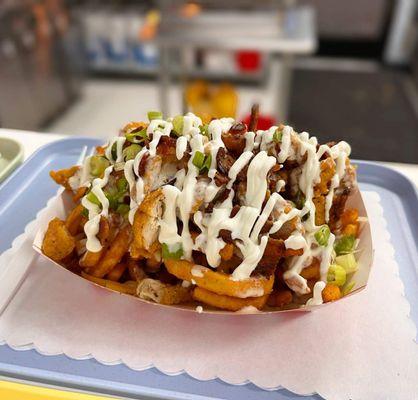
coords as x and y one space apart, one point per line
360 348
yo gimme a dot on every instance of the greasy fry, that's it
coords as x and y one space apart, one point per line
73 220
219 282
79 194
61 177
136 272
280 298
311 271
113 254
128 287
89 258
58 242
116 272
226 302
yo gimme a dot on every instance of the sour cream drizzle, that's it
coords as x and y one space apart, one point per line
247 224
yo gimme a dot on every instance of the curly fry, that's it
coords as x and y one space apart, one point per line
128 287
116 272
226 302
219 282
61 177
113 254
73 221
136 272
311 271
90 259
280 298
79 194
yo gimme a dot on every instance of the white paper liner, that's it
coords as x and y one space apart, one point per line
63 204
360 348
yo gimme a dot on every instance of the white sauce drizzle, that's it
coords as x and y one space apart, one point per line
246 225
316 299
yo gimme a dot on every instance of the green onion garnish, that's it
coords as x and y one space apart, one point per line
123 209
98 165
113 199
155 115
204 130
114 152
131 151
198 159
345 244
137 136
336 275
176 254
322 235
207 163
85 212
92 198
300 199
122 184
277 135
178 123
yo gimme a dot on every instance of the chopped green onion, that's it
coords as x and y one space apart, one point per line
176 254
137 136
347 288
198 159
322 235
123 209
113 200
114 152
336 275
98 165
85 212
345 244
92 198
207 163
178 123
131 151
155 115
277 135
204 130
348 262
300 199
122 184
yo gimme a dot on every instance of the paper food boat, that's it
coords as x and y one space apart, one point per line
62 204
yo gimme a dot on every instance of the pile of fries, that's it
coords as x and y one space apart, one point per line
215 215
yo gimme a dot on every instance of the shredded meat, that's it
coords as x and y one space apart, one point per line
225 235
220 197
166 146
220 179
234 140
224 161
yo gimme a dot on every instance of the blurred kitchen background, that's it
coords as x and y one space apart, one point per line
337 69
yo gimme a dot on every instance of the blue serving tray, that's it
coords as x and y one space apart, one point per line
27 190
